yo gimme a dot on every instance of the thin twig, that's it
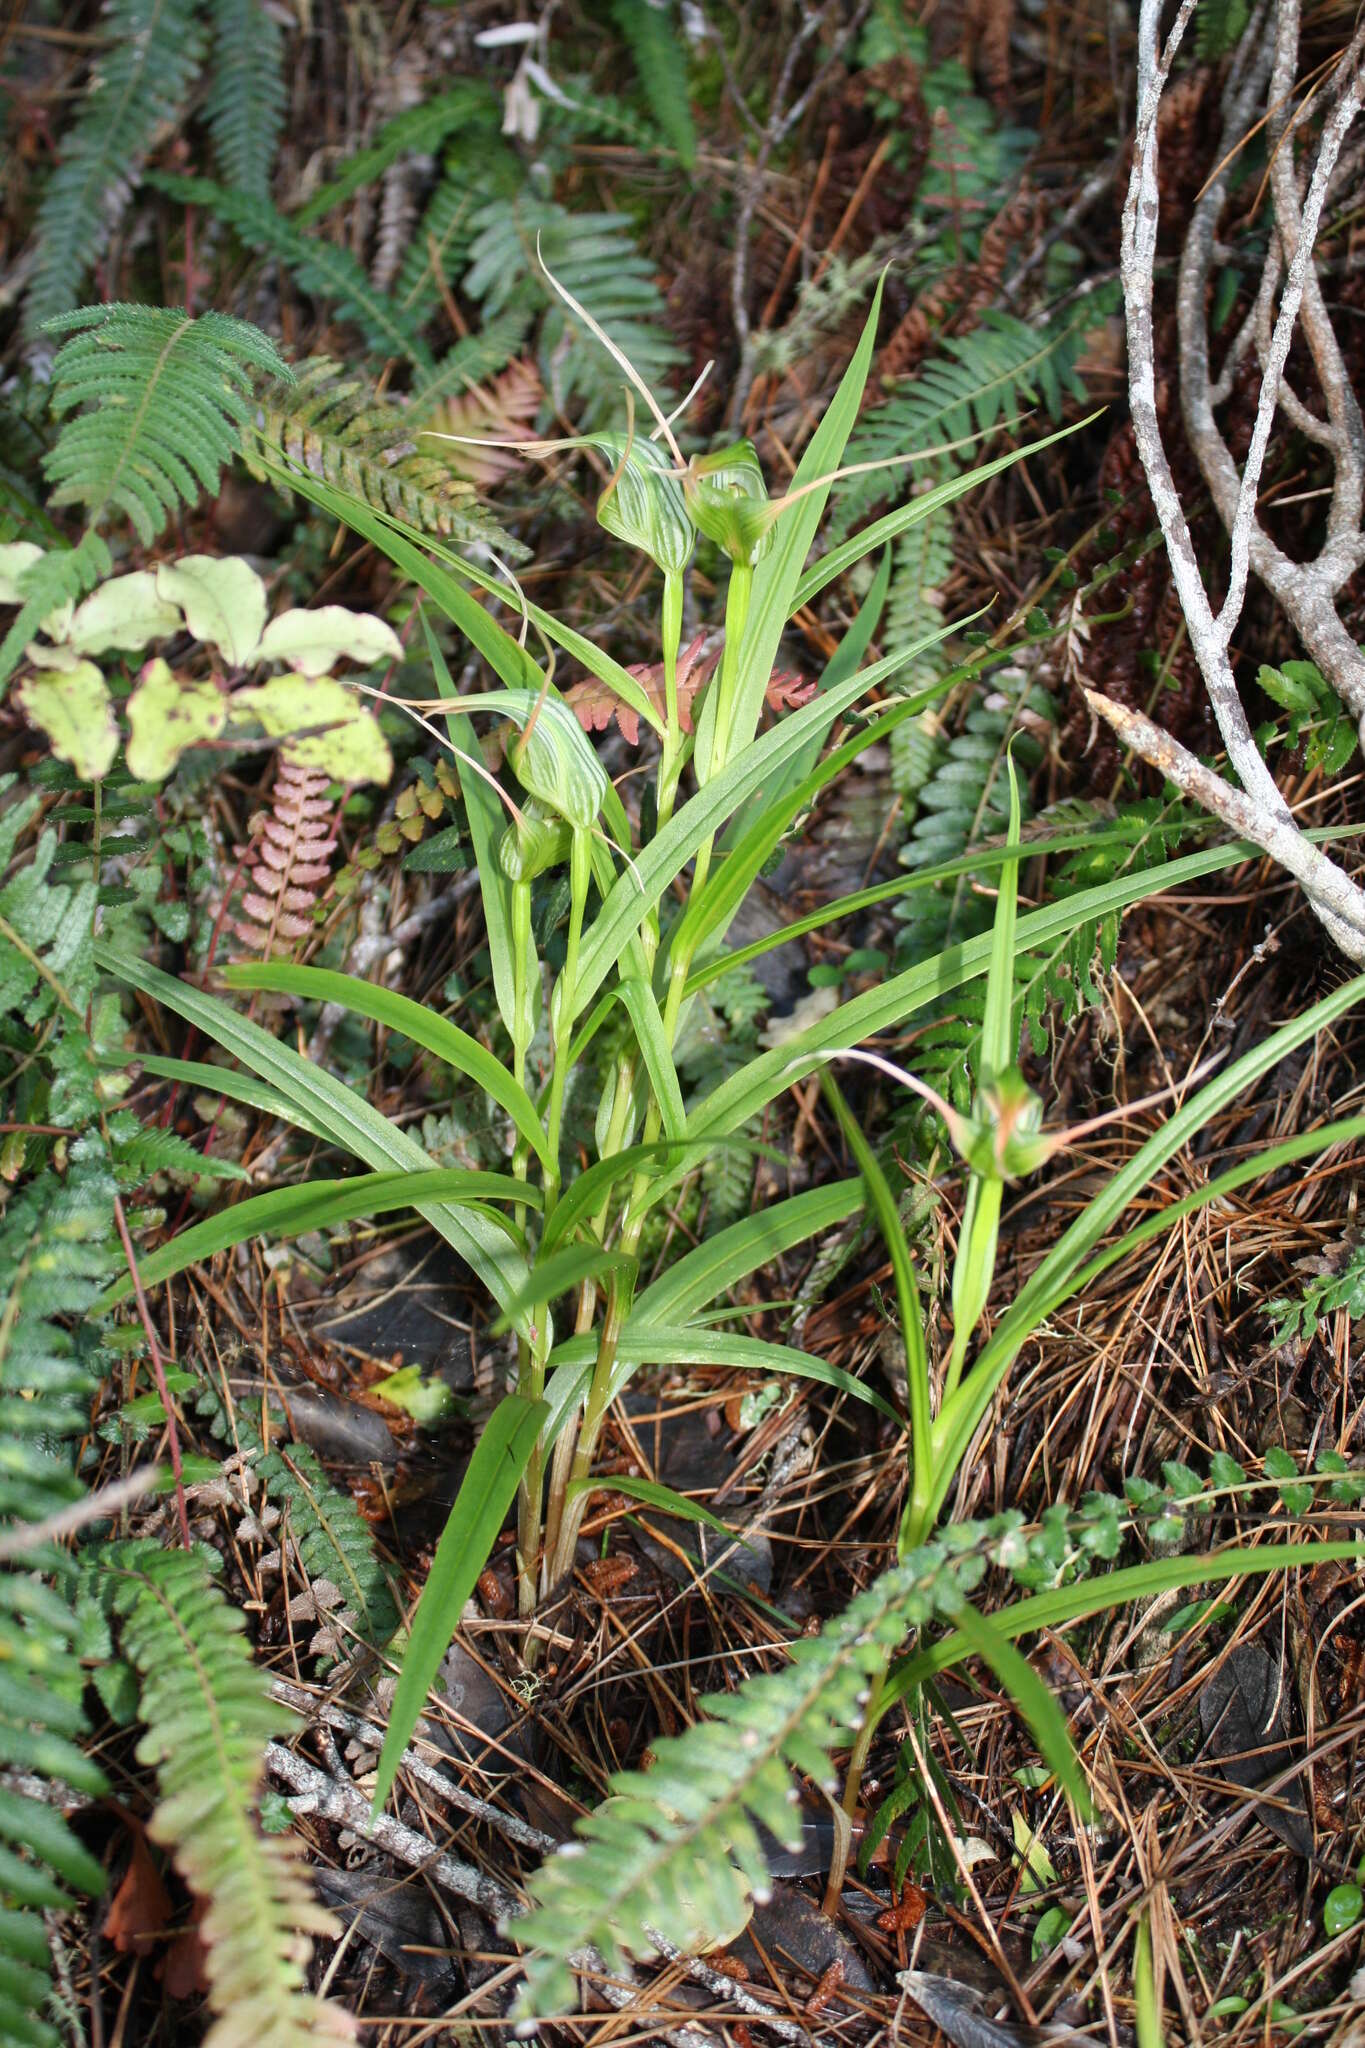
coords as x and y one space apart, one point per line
92 1507
158 1371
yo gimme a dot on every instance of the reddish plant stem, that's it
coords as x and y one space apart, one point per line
158 1371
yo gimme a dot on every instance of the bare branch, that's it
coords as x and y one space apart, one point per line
1261 813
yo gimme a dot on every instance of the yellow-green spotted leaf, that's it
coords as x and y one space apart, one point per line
166 714
125 612
72 706
224 603
15 557
313 642
325 726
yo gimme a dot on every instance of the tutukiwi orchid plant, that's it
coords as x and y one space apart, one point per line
649 907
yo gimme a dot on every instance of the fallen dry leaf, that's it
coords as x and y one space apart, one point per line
141 1907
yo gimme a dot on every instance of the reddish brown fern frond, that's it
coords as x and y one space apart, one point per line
288 862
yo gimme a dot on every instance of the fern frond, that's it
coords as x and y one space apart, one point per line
331 1538
247 94
208 1717
57 1251
966 797
140 1151
147 62
650 29
332 425
329 273
154 404
467 106
593 255
1002 367
288 860
473 360
450 222
1297 1318
676 1850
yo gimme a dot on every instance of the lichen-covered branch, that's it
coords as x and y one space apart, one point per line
1263 67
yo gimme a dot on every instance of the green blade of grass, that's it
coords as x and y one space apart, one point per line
1032 1698
558 1274
639 888
746 1092
913 513
486 1493
652 1040
485 815
687 1344
226 1081
1054 1280
695 1280
1066 1604
652 1495
399 1013
316 1205
347 1118
437 570
777 577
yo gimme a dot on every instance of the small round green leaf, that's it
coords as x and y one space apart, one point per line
1342 1908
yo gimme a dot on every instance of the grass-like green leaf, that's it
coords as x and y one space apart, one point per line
778 576
746 1092
716 1266
317 1205
913 513
399 1013
638 997
1055 1278
1063 1605
558 1274
690 1344
236 1087
641 885
485 1495
652 1494
348 1119
1037 1705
